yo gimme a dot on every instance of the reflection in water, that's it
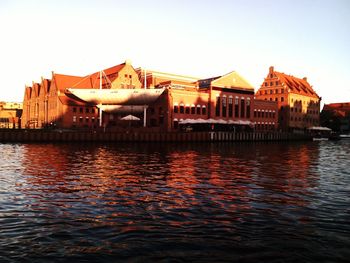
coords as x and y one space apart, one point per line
151 202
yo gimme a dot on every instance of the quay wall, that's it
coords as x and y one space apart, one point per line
38 136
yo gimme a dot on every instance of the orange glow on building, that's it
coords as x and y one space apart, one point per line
171 102
298 103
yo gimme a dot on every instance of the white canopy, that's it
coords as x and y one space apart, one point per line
121 108
215 121
130 118
315 128
117 96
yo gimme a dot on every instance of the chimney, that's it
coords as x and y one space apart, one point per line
271 69
305 78
128 62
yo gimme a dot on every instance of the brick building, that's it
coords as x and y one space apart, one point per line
336 116
145 99
10 115
298 103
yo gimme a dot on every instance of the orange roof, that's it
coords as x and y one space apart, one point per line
65 81
66 100
111 73
297 85
340 109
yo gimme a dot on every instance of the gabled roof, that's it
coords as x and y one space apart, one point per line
111 73
63 82
28 92
45 83
296 85
36 87
232 80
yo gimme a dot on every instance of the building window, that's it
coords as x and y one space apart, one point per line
193 109
237 107
198 109
254 113
93 119
74 119
276 83
176 109
217 106
248 108
271 91
230 106
187 110
93 110
81 110
87 119
266 84
276 99
204 110
276 91
271 83
242 108
282 90
224 106
74 109
265 92
80 119
282 99
86 110
182 109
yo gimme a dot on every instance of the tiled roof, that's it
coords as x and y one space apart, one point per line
65 81
111 73
340 109
296 85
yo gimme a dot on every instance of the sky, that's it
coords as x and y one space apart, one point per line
198 38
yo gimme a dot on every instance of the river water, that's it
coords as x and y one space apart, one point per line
223 202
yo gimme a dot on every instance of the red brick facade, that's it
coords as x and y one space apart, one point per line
223 102
298 103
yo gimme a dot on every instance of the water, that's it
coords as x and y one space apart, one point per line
248 202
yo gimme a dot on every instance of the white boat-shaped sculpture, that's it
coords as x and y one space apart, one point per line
117 96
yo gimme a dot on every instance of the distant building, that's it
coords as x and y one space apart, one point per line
298 103
169 102
10 115
336 116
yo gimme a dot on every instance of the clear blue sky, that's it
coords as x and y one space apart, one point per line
200 38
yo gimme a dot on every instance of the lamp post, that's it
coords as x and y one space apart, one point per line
144 108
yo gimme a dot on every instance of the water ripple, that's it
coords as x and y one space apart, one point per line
265 202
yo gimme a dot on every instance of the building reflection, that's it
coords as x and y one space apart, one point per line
112 181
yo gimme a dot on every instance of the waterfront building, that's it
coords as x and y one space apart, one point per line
123 97
10 114
298 103
336 116
50 104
